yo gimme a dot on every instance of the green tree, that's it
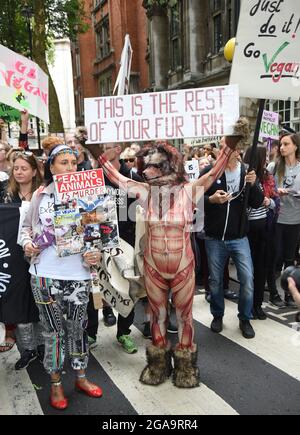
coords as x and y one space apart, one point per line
51 19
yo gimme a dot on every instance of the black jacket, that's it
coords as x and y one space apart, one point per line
223 221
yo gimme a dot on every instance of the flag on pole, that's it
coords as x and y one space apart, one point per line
123 79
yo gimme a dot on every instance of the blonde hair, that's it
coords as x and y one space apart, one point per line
5 145
135 147
14 187
128 153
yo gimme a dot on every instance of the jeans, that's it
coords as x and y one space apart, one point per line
218 252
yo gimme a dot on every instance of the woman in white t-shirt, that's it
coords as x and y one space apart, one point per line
60 285
287 175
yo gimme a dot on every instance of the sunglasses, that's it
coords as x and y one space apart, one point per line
23 154
129 160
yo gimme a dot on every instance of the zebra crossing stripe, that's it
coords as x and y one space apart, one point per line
275 343
17 394
124 370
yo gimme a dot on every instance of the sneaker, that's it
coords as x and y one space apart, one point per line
277 301
26 358
247 330
217 325
147 330
259 314
108 316
92 342
230 295
172 329
127 344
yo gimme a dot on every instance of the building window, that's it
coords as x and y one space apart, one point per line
216 5
217 33
103 38
216 14
175 38
288 110
105 86
237 8
33 126
134 84
231 32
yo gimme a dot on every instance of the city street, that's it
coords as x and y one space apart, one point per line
145 146
259 376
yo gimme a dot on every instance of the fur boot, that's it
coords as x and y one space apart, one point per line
159 366
186 373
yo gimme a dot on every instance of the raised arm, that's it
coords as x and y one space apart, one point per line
134 189
23 138
3 135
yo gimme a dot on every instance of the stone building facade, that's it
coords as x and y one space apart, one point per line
186 45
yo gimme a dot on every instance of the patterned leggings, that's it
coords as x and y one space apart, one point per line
63 312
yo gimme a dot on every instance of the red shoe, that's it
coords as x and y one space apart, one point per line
93 391
59 404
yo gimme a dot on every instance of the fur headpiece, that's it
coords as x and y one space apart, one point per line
81 135
170 159
241 134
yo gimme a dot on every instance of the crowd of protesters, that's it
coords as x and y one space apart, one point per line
57 288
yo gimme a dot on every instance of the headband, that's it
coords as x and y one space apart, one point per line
61 149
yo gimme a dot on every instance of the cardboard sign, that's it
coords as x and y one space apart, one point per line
266 63
269 128
162 115
80 185
23 84
192 169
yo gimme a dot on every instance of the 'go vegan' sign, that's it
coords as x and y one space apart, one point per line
23 84
267 55
269 127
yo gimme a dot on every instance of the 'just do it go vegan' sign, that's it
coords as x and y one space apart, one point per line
267 56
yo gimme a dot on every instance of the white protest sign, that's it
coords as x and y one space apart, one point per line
266 62
23 85
196 142
269 127
162 115
192 169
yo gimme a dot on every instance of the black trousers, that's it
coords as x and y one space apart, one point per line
93 320
287 238
258 242
123 325
271 259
